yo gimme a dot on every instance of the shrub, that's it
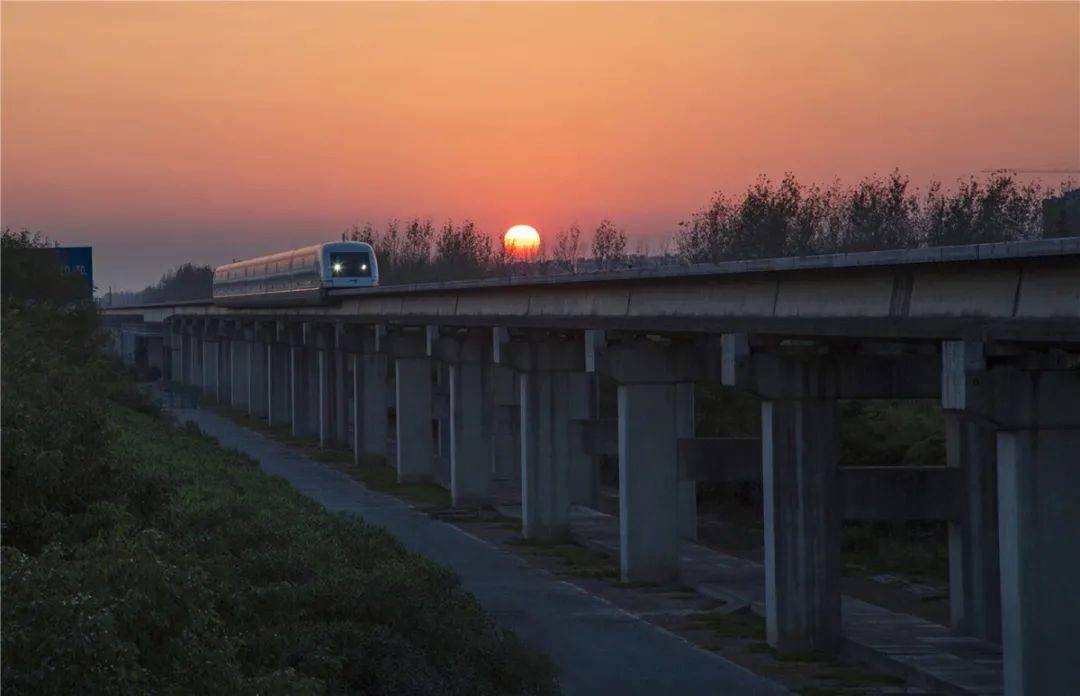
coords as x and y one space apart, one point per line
205 575
143 558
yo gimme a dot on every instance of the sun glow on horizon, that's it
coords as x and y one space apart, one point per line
521 241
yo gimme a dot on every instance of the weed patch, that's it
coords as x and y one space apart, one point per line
735 625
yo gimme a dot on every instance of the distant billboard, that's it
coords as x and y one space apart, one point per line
79 260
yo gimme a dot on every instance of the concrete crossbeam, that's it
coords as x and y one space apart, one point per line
835 375
720 459
900 493
1013 398
540 353
641 360
596 437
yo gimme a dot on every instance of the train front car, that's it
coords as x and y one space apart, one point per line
349 265
296 277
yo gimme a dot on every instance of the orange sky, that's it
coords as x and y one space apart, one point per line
161 133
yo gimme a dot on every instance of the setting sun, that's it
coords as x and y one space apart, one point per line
521 241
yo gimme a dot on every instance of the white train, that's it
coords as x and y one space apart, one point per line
296 277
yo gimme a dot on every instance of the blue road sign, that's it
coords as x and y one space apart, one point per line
78 260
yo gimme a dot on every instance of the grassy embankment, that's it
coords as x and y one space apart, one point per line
142 558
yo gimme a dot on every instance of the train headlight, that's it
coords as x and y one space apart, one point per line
363 267
338 267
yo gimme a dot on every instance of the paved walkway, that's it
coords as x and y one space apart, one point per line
597 647
921 651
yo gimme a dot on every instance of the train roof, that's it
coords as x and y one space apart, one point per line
281 255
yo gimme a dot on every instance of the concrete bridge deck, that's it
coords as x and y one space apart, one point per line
479 375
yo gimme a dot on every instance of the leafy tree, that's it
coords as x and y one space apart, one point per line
29 270
185 282
609 244
461 251
881 214
565 251
995 210
790 219
765 218
707 235
416 251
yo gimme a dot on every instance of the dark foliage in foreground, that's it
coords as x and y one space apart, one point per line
139 558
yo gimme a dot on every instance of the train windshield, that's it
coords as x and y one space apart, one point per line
350 264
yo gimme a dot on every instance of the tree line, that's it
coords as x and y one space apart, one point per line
788 218
768 219
418 251
187 281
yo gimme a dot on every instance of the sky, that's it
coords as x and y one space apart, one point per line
161 133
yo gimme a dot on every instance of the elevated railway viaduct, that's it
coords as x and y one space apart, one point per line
498 376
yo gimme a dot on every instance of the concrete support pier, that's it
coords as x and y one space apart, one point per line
279 389
545 464
297 391
325 397
684 427
505 423
648 482
257 382
239 352
415 449
369 395
210 367
1039 494
802 524
581 405
470 435
310 382
1032 400
224 372
656 408
342 388
974 575
182 356
195 369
